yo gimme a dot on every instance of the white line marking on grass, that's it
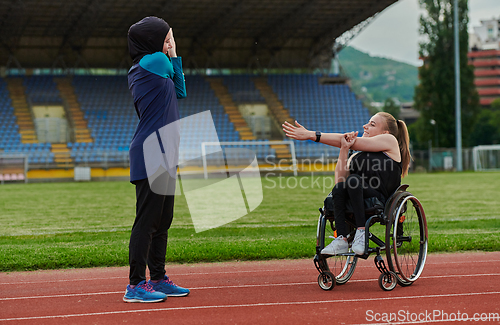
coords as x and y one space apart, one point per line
238 286
63 231
268 304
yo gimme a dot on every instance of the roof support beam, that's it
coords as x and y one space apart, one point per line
336 39
274 36
223 33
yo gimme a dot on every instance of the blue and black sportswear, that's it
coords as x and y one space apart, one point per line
156 82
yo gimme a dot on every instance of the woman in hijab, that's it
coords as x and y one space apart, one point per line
156 81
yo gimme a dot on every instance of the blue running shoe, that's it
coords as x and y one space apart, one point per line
169 288
143 292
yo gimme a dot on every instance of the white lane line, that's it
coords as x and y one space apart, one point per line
491 317
316 302
426 321
169 274
224 272
240 286
62 280
66 295
196 288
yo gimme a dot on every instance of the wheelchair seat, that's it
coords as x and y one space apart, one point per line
373 206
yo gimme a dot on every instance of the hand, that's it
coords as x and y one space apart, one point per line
297 132
348 140
351 135
172 50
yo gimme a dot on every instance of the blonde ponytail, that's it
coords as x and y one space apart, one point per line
398 129
404 146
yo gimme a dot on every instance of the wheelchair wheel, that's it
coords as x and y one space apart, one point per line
407 235
326 280
341 266
387 281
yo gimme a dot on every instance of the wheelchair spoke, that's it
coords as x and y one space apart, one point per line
410 247
342 266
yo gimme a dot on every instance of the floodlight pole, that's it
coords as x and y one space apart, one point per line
458 122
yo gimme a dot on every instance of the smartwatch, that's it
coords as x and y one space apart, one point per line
318 136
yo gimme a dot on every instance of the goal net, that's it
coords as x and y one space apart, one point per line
486 158
238 153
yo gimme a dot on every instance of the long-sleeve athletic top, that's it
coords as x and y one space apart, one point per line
156 82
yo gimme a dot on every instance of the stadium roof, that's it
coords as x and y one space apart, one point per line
235 34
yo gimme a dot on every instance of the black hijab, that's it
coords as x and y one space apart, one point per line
146 37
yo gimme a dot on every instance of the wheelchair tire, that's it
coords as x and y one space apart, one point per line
406 238
387 281
326 280
341 266
403 284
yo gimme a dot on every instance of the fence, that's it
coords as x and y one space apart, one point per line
440 159
437 159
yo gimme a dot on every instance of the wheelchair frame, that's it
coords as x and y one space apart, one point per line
400 244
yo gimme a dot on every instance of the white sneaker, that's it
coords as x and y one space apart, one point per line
358 244
337 246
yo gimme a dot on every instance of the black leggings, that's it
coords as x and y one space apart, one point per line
356 190
148 240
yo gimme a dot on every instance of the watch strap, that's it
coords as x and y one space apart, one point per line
318 136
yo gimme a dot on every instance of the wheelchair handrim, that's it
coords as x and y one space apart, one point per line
422 255
345 267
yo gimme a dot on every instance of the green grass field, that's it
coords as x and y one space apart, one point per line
71 225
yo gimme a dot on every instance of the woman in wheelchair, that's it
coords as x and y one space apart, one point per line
383 157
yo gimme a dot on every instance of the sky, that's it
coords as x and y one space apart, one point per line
394 34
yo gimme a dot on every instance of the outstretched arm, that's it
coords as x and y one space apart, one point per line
299 132
383 142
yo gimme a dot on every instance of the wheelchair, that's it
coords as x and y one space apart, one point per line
404 242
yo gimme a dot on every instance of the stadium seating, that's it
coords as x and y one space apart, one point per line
8 128
41 89
327 108
109 111
108 108
242 89
10 138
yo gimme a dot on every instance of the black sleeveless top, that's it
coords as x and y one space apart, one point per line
378 171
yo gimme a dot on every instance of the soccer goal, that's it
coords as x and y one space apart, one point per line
486 158
238 153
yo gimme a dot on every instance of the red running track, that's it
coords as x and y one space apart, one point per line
272 292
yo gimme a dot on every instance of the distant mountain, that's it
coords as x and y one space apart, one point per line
382 78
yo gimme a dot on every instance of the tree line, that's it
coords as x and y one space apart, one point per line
435 95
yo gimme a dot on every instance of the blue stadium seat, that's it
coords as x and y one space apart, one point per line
108 107
321 107
41 89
